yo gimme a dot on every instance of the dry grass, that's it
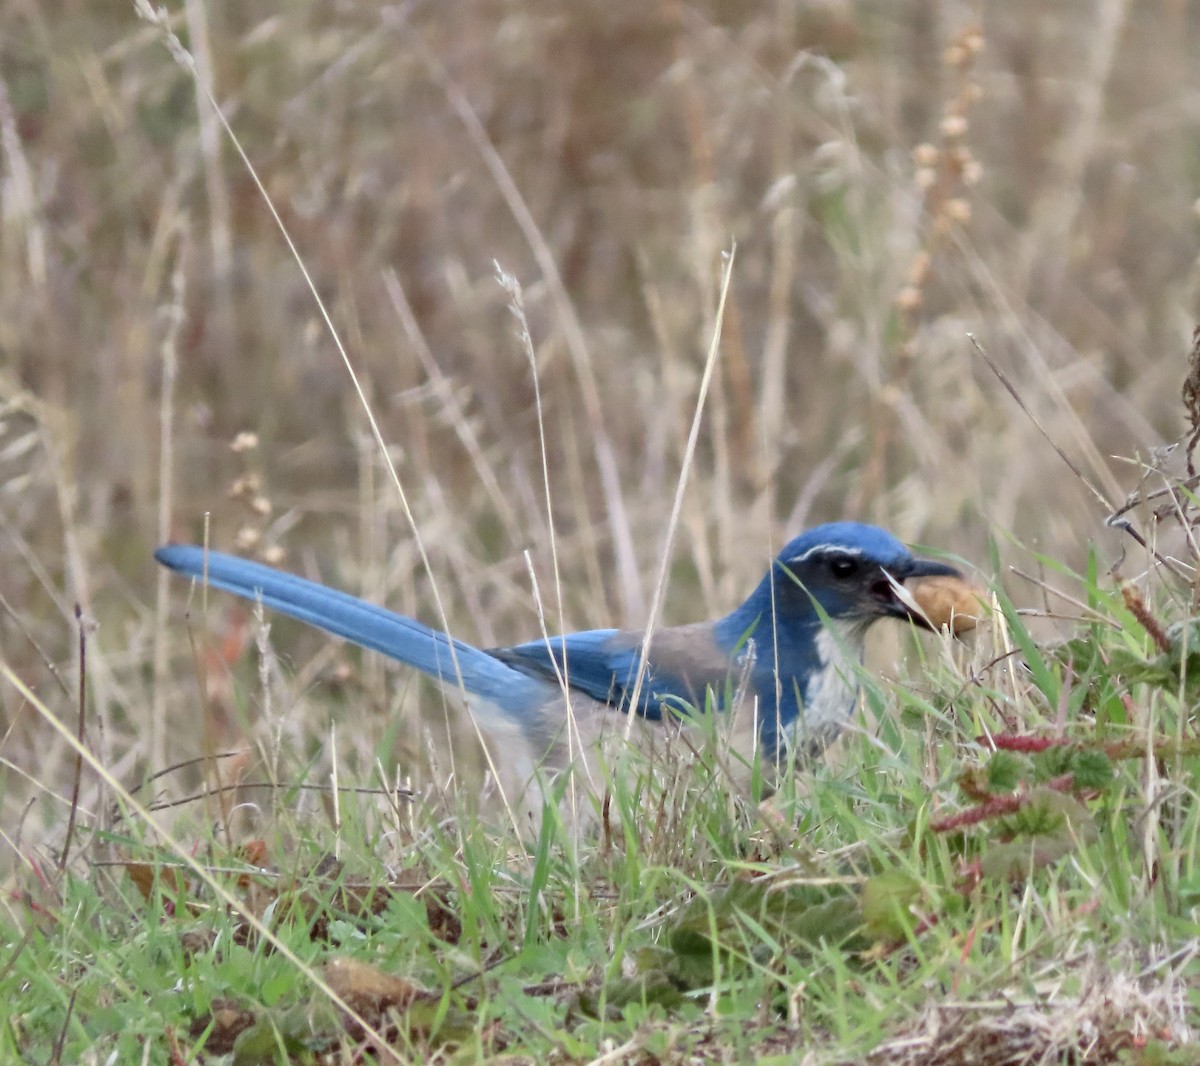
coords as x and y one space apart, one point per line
1088 1009
637 144
897 177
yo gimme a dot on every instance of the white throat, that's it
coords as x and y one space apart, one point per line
833 690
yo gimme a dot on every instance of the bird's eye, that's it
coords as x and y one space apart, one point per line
842 566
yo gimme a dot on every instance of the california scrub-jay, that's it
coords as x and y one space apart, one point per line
787 656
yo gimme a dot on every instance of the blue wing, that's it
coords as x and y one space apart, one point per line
603 664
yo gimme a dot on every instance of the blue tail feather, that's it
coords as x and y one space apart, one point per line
434 653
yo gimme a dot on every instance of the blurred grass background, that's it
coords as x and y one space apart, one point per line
897 175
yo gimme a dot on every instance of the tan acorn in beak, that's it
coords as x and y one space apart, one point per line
948 602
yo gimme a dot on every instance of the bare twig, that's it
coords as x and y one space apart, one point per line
82 718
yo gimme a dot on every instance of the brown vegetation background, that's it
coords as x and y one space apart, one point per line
898 176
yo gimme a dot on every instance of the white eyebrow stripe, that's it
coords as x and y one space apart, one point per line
824 549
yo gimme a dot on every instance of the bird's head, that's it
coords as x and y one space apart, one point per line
852 572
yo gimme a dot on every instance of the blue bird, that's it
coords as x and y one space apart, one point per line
787 655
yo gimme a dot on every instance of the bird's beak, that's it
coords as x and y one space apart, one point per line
925 568
895 600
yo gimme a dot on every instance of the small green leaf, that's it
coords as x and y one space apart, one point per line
1092 769
1050 826
273 1031
789 918
1003 772
886 901
833 922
